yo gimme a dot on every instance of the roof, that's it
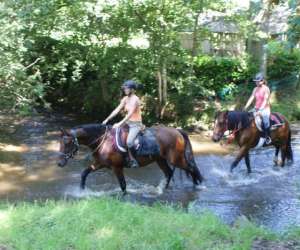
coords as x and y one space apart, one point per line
215 22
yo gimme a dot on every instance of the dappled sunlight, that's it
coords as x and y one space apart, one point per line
28 161
8 187
52 146
202 145
13 148
16 178
104 232
5 216
10 177
46 174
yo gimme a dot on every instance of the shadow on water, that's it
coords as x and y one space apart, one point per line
28 171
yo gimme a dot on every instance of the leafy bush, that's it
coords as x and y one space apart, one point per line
282 61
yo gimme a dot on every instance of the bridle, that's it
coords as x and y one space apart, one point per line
230 137
75 146
225 128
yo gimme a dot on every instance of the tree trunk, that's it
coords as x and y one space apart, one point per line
160 98
162 89
165 84
195 36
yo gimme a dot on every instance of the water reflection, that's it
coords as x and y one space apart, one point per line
269 196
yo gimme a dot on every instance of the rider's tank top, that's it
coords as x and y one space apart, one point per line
260 97
137 114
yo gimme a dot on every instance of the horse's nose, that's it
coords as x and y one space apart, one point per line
214 138
61 164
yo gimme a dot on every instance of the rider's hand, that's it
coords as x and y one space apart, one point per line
117 125
105 122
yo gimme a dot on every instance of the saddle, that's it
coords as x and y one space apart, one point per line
240 120
145 144
276 121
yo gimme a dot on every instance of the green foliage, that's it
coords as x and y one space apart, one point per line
20 85
74 55
217 73
293 32
282 61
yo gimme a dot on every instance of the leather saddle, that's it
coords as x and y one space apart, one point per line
145 144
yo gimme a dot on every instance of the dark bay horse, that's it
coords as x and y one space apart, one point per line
174 146
247 136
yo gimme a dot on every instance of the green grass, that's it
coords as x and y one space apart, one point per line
108 223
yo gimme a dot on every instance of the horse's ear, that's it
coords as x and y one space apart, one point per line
225 112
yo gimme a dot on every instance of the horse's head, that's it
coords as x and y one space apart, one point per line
221 125
68 147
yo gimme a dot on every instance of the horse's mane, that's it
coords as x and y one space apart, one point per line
239 119
93 129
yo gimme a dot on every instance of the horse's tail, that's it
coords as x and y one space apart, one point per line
189 157
289 147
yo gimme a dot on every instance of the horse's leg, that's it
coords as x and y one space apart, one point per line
164 166
283 154
195 173
120 175
242 153
84 174
247 161
192 171
275 159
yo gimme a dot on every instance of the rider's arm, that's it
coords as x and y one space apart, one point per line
250 100
266 98
130 112
116 111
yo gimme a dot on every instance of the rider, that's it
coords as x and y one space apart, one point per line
132 105
261 94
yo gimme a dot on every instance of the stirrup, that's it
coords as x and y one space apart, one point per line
268 140
133 164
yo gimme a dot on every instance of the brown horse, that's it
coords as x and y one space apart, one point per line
247 135
174 151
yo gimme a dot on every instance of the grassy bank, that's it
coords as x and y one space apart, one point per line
111 224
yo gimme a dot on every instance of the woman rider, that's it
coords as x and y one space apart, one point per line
132 105
261 94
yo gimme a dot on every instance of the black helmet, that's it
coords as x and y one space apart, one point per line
129 84
259 77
